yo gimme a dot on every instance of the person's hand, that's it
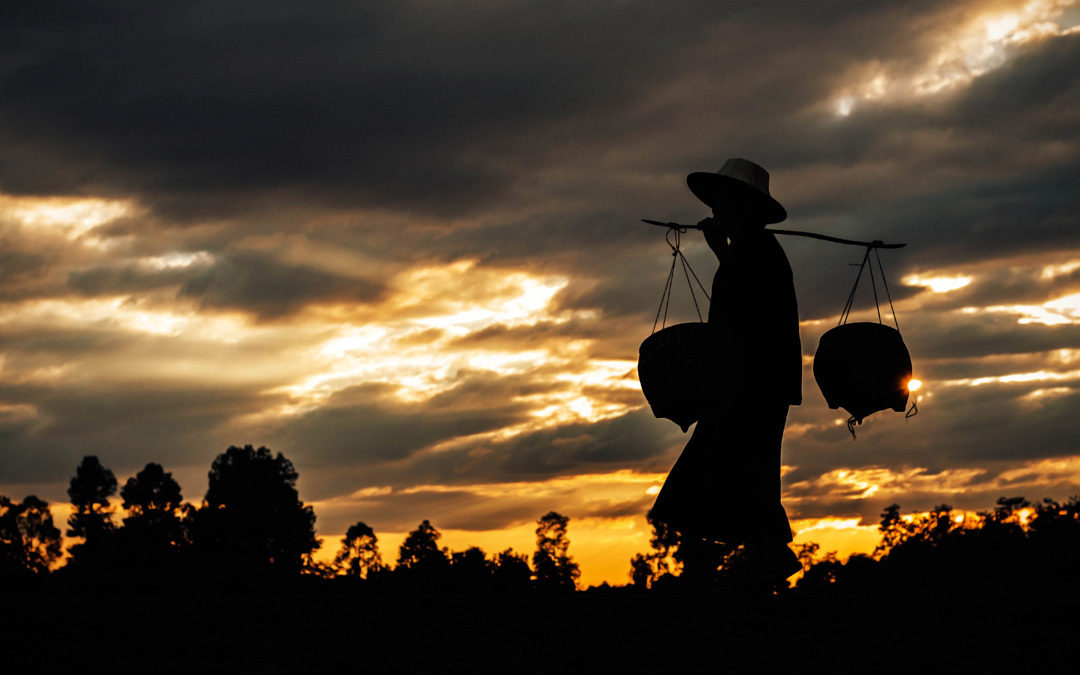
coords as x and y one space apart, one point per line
716 235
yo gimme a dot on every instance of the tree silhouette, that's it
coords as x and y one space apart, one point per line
252 518
471 571
421 548
421 562
511 573
641 572
29 542
359 555
92 514
1055 537
891 528
701 561
806 553
1014 544
553 569
153 530
647 568
152 490
90 489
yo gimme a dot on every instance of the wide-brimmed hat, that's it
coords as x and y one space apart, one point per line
741 183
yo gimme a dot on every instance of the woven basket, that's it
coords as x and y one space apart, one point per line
863 368
686 371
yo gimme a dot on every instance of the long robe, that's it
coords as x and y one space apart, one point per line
725 485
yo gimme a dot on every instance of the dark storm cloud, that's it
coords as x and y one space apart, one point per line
462 510
415 106
16 266
126 426
959 427
120 279
401 104
449 509
528 136
634 440
389 103
255 282
367 425
965 336
503 336
352 448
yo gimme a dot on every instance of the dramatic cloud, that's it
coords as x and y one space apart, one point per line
399 242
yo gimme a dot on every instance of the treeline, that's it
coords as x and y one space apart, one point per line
1015 544
251 524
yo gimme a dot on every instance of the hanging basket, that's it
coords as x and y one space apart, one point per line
685 371
863 368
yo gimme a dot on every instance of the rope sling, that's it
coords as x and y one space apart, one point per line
688 271
679 365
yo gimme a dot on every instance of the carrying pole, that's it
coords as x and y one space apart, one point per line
877 243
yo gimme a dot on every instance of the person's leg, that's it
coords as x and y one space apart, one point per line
766 552
684 501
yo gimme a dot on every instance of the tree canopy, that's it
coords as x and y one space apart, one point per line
90 489
252 515
359 555
553 568
29 542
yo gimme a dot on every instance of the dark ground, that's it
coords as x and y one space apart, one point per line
319 626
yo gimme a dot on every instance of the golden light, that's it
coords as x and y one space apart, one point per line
1014 378
938 283
1025 515
914 385
966 50
1055 312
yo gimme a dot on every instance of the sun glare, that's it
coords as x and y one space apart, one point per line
914 385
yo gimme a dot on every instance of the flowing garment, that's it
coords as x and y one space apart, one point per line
725 485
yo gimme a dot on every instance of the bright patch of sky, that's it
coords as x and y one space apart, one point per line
1056 312
973 49
937 284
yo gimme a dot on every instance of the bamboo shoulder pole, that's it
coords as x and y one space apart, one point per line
877 243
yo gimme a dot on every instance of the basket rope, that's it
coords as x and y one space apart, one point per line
688 271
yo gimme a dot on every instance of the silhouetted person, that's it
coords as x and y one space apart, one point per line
725 486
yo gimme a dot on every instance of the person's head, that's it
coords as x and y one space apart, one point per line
736 221
738 194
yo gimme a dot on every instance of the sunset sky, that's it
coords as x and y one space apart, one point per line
398 241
